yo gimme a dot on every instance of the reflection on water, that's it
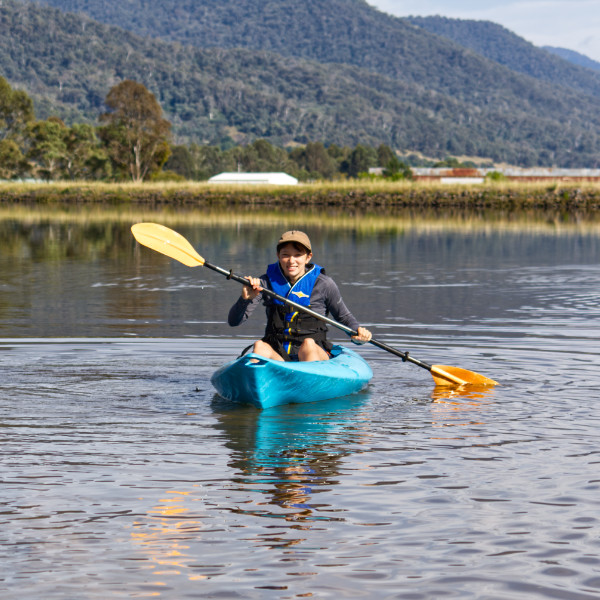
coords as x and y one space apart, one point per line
464 406
370 220
121 479
292 453
462 395
124 476
404 275
163 536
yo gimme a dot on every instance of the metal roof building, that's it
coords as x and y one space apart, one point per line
255 178
477 175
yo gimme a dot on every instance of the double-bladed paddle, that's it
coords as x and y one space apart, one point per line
169 242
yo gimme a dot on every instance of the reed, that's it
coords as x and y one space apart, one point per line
374 185
364 223
568 196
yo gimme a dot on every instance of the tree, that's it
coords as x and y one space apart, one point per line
58 151
384 155
48 149
136 135
359 161
12 160
395 170
16 111
450 162
315 160
210 160
181 162
262 157
85 157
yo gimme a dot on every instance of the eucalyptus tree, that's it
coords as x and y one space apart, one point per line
135 134
48 148
16 112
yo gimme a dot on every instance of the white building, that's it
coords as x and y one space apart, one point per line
255 178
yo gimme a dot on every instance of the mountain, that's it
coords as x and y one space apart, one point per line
348 32
574 57
437 98
508 49
328 31
68 63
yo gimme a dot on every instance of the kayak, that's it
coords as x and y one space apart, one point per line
254 379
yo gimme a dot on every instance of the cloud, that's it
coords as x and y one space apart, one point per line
573 24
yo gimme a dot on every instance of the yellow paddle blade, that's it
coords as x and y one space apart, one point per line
168 242
445 375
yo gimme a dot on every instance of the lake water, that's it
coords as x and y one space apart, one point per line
125 476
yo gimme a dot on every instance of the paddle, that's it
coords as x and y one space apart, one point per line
169 242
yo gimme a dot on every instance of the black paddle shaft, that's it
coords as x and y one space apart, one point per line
403 355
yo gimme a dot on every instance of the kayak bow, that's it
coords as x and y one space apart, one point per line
254 379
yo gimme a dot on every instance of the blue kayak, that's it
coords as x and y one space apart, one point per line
265 383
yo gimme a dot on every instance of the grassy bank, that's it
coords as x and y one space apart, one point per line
203 205
344 194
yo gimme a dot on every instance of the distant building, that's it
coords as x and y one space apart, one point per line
474 175
255 178
550 173
450 175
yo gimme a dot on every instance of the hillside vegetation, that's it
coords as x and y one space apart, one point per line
508 49
342 31
574 57
414 90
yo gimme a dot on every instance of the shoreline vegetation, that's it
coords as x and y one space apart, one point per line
366 207
511 195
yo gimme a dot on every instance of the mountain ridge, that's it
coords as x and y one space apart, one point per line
70 62
332 31
574 57
499 44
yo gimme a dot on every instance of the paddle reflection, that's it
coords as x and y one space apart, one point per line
291 453
164 534
460 406
463 395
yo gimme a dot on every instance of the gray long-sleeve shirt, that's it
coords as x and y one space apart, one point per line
325 299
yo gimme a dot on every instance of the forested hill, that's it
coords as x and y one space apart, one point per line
68 63
343 31
506 48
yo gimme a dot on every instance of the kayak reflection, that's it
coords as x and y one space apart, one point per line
291 453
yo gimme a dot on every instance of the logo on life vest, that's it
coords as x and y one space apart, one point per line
301 294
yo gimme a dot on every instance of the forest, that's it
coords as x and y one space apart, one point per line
387 83
500 45
344 32
133 142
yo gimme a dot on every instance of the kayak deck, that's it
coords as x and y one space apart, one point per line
265 383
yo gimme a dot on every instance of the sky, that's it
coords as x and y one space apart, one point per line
572 24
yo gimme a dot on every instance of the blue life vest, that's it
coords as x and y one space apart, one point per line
286 326
299 292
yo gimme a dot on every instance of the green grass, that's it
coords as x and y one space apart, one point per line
342 185
335 201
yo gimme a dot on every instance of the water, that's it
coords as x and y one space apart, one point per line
125 476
